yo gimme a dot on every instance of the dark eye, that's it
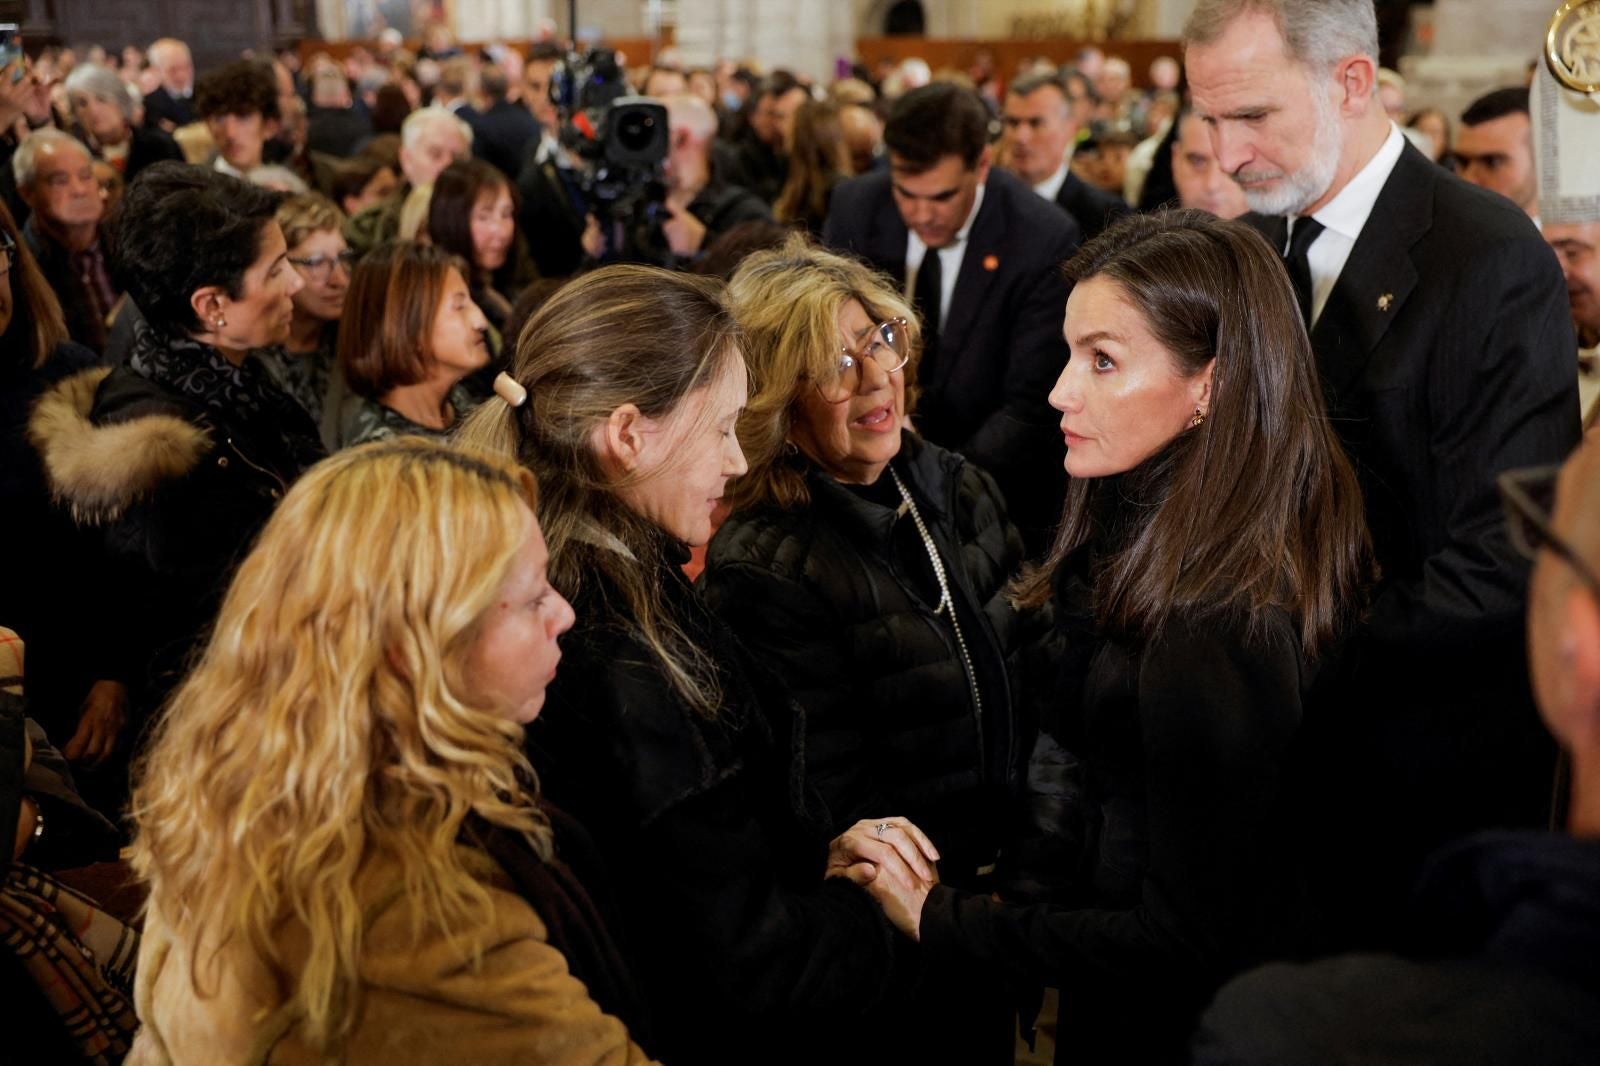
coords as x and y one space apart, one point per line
1102 361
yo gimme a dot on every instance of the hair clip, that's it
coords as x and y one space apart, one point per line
506 387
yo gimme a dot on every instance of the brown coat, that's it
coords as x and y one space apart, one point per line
422 999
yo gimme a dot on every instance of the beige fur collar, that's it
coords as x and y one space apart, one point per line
100 471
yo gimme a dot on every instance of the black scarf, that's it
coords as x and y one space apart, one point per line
279 430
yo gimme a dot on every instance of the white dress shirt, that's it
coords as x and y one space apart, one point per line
1344 216
1050 187
950 257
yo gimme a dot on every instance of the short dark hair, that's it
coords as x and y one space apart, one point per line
455 193
935 121
351 176
1498 104
246 87
385 332
1032 83
180 228
778 83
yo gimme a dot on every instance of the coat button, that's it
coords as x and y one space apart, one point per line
223 462
276 495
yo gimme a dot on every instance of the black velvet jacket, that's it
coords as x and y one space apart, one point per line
716 855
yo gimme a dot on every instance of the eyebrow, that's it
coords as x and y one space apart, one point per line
945 195
1099 335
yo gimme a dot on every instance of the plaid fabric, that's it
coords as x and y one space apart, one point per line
81 958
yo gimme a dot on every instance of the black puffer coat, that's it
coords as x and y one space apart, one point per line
839 598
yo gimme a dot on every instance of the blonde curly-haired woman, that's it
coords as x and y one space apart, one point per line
345 855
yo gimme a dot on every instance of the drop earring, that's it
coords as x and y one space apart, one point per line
1198 420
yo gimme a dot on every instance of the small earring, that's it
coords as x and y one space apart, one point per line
1198 420
218 323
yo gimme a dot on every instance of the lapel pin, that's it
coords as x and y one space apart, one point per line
1385 300
991 262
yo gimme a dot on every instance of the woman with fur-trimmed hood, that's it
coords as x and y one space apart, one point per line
177 459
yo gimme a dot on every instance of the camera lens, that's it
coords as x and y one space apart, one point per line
636 131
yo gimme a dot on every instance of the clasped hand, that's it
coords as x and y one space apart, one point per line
894 861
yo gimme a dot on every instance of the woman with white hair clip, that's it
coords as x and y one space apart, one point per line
102 107
346 855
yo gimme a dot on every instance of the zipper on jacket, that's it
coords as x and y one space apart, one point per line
258 468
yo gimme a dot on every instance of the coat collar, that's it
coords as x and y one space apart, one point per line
923 470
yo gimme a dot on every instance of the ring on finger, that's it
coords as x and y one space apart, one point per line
880 827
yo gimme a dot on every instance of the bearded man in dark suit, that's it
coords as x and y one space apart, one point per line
980 255
1438 317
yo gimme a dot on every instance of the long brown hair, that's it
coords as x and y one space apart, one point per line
37 324
1256 508
817 161
621 334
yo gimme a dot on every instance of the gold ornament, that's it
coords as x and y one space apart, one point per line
1572 46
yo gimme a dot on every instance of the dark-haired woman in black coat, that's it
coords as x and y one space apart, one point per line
1212 551
176 459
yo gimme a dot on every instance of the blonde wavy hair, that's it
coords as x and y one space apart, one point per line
329 719
787 302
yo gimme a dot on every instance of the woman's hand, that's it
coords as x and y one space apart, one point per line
901 903
880 842
105 711
894 861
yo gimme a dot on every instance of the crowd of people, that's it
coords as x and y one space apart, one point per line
975 535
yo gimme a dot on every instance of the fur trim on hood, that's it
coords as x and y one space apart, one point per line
102 470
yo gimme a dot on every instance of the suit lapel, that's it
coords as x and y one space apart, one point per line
1378 277
979 265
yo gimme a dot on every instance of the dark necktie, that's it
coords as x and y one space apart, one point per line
1306 230
926 297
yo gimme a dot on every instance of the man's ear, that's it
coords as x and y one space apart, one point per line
985 160
270 128
1357 77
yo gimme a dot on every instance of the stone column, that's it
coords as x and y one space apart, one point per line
804 37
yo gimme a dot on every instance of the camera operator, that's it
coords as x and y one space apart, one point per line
700 204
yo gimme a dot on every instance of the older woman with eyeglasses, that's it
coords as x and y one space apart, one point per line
868 568
304 366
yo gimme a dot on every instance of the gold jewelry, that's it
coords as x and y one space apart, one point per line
1198 420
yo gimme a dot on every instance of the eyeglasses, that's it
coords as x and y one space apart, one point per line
1529 496
318 267
8 253
888 345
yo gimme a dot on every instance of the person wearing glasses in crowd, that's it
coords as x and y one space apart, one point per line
868 567
1506 925
663 736
1211 552
409 336
305 366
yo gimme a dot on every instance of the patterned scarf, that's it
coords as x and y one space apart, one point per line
243 396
